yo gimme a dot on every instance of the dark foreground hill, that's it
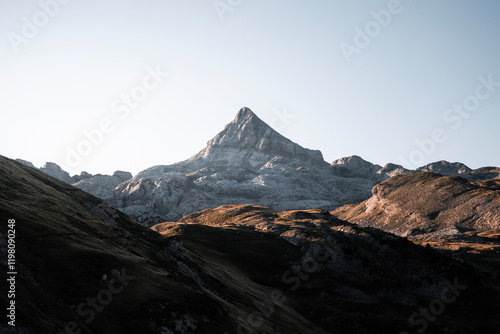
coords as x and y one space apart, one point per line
346 278
84 267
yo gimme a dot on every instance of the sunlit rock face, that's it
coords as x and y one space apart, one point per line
248 162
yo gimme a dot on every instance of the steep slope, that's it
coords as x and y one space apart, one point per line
430 206
85 267
448 213
248 162
345 278
248 141
95 184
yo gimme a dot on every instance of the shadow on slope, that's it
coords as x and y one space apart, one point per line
344 278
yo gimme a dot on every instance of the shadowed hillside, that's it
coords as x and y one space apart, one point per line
83 265
347 278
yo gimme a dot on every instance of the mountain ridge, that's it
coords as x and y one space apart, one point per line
248 131
232 269
246 162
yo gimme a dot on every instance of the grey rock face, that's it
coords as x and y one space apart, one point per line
122 175
27 163
83 175
355 166
391 170
246 163
102 186
247 140
56 171
445 168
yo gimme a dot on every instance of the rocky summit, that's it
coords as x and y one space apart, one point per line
247 162
85 267
255 234
248 141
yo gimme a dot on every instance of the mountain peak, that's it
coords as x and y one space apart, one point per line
248 139
445 168
244 113
244 126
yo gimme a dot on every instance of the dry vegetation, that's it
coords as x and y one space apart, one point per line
221 269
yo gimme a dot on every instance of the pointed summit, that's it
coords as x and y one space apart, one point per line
244 113
245 130
249 140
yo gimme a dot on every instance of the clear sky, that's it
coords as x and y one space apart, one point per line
408 82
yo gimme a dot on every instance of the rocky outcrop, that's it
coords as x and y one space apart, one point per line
429 206
26 163
234 269
247 162
248 141
56 171
356 167
391 170
341 264
103 186
98 185
445 168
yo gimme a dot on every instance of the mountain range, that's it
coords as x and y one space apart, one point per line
247 162
85 267
254 234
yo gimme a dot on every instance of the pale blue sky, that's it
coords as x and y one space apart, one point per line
275 57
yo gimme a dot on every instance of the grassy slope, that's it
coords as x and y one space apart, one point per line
64 249
367 286
67 240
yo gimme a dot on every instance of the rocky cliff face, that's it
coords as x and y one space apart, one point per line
445 168
99 185
84 267
248 141
247 162
56 171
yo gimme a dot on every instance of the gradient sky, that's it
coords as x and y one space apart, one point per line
278 58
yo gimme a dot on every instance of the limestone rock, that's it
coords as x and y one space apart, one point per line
56 171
